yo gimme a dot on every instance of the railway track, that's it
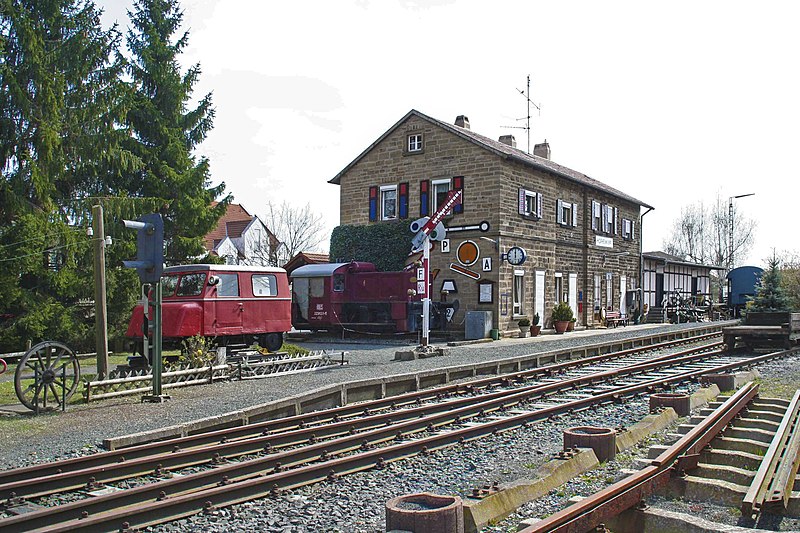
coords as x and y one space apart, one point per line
163 481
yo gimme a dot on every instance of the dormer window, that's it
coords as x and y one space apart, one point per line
415 142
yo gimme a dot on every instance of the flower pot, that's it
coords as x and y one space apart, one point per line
524 331
571 326
561 325
535 330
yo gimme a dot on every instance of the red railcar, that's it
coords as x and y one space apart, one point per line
230 302
355 295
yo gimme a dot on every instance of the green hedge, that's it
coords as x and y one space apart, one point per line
386 244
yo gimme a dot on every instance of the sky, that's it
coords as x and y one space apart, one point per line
670 102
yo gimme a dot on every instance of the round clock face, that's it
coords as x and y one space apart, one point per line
516 255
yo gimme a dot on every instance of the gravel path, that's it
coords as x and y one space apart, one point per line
355 504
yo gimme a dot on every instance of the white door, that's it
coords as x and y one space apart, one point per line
538 296
573 293
622 307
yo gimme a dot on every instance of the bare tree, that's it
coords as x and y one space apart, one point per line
790 277
297 230
702 233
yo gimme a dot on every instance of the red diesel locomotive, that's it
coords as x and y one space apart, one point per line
356 296
229 302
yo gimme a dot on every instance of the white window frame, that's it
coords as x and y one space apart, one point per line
559 287
518 293
566 213
596 215
608 218
435 186
627 229
531 203
414 142
597 294
385 190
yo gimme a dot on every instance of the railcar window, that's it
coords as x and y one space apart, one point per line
317 287
191 284
338 283
228 285
265 285
168 285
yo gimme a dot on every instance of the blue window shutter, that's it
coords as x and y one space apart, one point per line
373 204
402 193
458 184
424 197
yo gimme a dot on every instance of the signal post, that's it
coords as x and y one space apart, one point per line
149 265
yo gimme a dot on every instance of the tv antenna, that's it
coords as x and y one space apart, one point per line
527 126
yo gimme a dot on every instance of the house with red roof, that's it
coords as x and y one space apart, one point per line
243 239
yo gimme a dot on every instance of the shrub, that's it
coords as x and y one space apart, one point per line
562 313
386 245
524 322
535 319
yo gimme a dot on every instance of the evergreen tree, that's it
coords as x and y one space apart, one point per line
769 293
62 102
166 132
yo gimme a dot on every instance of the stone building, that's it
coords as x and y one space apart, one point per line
580 237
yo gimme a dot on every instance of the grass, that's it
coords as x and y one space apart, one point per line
8 394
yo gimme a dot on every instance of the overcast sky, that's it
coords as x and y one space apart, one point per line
671 103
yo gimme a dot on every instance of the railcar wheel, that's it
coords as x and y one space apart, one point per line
47 376
272 341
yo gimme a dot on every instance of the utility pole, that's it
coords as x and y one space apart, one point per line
100 312
730 227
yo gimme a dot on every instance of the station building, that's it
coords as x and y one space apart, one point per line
581 238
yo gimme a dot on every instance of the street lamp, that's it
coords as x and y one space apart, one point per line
730 227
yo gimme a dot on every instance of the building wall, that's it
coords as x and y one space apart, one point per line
491 194
677 278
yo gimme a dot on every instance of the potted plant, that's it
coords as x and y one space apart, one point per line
561 317
571 325
524 323
535 327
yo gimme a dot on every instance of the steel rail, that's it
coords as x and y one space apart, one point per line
316 417
770 487
466 407
232 491
597 509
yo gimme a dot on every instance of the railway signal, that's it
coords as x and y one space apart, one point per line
149 247
150 265
425 232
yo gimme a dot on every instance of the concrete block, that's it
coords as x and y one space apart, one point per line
497 505
646 427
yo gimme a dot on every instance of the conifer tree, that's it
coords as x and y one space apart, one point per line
62 105
769 293
166 132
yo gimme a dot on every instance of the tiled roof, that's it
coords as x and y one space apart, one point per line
234 213
305 258
674 259
505 150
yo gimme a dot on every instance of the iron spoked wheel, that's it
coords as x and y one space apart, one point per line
47 376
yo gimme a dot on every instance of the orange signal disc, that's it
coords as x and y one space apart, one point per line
468 253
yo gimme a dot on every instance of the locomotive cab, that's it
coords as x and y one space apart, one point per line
355 295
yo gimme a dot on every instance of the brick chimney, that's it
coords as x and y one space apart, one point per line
542 149
462 121
509 140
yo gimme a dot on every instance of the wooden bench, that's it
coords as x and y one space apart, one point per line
614 319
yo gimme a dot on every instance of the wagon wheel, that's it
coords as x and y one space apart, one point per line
47 375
